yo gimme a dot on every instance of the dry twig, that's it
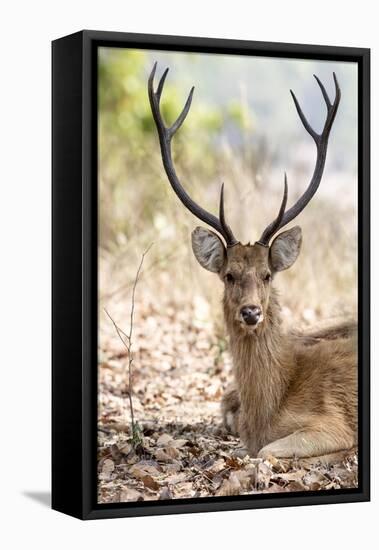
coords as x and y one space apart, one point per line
126 339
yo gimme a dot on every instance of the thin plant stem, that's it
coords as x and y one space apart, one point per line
126 339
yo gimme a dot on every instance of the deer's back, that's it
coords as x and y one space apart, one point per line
324 386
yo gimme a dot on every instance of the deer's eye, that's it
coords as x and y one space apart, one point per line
229 278
267 277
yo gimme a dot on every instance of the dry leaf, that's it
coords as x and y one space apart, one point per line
184 489
162 456
163 440
149 482
240 453
165 494
230 486
107 469
173 467
141 469
172 452
126 449
233 463
314 480
178 443
296 475
278 465
116 453
176 478
108 466
217 466
263 475
297 486
128 495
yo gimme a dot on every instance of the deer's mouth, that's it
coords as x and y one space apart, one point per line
250 329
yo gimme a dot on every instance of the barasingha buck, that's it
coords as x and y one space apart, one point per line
292 395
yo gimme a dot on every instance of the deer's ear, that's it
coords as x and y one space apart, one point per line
285 249
208 249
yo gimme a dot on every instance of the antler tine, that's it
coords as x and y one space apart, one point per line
323 91
266 235
181 118
321 141
305 122
165 135
225 226
158 93
332 109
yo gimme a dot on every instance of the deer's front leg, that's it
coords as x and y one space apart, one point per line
230 408
308 442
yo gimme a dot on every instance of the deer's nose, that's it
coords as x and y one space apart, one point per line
251 314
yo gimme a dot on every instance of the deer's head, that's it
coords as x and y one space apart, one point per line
246 270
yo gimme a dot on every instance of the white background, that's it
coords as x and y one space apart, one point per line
26 31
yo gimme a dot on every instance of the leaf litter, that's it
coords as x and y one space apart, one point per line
181 369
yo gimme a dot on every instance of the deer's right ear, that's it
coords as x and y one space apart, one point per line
209 249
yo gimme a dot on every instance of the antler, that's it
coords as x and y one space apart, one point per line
165 136
321 140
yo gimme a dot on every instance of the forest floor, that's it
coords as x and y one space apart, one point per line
181 370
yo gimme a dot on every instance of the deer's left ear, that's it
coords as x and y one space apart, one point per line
285 249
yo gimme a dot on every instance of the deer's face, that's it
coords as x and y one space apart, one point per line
247 271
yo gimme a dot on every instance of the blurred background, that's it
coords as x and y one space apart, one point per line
243 130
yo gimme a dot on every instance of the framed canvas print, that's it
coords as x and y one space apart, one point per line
210 274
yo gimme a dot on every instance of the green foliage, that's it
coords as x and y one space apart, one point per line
123 102
136 440
240 115
129 153
124 110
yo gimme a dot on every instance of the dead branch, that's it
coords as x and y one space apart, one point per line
126 339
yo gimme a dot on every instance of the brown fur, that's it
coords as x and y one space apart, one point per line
292 395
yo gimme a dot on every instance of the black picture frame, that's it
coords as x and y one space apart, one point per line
74 272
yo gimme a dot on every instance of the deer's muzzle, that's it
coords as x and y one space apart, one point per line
251 315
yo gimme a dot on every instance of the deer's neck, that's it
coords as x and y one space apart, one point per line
263 366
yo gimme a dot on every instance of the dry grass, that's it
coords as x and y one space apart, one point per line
322 283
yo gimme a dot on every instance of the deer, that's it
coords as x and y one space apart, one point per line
293 395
